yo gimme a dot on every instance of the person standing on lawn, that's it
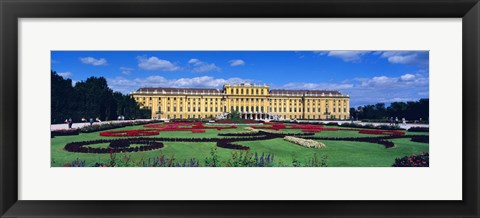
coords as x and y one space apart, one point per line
70 123
91 121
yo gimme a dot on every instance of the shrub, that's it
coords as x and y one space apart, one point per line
64 132
420 138
419 129
124 133
304 142
414 160
119 145
381 132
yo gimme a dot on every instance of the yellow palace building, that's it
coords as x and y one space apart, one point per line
252 101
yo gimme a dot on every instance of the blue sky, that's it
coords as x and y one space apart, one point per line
369 77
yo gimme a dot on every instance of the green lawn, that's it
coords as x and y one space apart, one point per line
339 153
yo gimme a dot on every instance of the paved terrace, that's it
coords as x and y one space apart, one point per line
80 125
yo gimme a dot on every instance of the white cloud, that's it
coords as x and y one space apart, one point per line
126 70
407 77
154 63
94 61
202 67
66 75
406 57
362 91
237 62
347 56
317 86
127 85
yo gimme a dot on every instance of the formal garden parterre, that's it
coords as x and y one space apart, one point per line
227 144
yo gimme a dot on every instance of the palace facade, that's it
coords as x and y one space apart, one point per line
257 102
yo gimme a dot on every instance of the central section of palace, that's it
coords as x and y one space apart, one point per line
251 101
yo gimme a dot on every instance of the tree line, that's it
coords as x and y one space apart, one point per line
91 98
411 110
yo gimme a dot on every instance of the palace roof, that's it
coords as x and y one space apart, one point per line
181 90
299 92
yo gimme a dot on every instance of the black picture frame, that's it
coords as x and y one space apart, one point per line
11 11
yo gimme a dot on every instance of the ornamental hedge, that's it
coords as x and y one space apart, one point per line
420 138
381 132
64 132
124 133
419 129
115 146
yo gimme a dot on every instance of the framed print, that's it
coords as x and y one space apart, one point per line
225 108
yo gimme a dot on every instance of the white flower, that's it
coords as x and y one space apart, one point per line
304 142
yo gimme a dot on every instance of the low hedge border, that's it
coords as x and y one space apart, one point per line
115 146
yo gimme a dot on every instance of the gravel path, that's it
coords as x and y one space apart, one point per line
79 125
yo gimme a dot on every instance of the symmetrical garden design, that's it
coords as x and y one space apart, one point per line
152 138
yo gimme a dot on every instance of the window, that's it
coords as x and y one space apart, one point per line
168 108
174 109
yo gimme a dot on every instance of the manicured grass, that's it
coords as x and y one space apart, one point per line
340 153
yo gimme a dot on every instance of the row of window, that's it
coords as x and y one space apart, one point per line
248 91
242 99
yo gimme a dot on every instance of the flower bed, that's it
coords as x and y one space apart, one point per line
304 142
107 126
414 160
381 132
124 133
198 131
306 126
378 140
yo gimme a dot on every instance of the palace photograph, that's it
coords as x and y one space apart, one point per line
339 108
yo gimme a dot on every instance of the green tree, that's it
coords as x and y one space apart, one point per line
90 99
62 99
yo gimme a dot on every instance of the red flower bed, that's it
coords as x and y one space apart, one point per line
198 130
381 132
129 133
307 126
